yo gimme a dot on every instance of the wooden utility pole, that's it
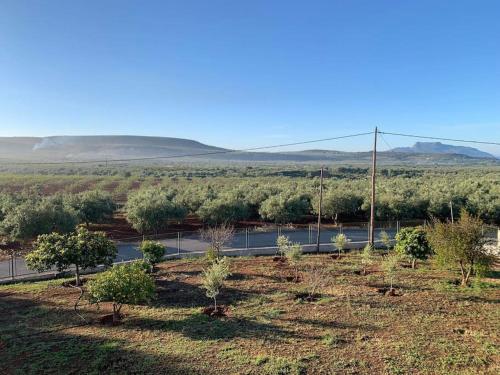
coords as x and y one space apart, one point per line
319 209
371 237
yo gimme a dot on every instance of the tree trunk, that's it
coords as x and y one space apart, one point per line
77 272
462 270
465 281
116 313
413 262
215 304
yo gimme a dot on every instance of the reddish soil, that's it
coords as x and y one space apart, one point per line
220 312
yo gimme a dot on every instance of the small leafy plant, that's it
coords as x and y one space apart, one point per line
390 265
340 241
366 258
294 255
214 277
412 243
153 252
122 284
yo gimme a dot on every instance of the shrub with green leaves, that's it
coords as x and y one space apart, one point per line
367 257
461 244
294 255
282 244
153 251
386 239
390 265
412 243
122 284
214 277
340 241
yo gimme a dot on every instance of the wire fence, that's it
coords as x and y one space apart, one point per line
259 240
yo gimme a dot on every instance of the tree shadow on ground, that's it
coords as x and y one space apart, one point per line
199 326
332 324
45 340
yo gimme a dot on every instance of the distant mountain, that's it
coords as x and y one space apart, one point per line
441 148
110 147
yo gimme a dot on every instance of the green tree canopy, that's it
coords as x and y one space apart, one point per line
82 248
91 206
151 209
412 243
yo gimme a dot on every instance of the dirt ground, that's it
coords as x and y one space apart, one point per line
431 326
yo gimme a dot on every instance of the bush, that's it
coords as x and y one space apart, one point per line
122 284
366 257
340 241
294 255
214 277
218 236
460 244
153 252
412 243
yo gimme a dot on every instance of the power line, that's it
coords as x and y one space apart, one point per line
442 139
192 155
385 141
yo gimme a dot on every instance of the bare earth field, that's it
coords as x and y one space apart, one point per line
430 327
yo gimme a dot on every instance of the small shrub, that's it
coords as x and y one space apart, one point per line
211 255
366 257
294 255
122 284
461 244
153 252
282 243
412 243
390 265
340 241
386 239
214 277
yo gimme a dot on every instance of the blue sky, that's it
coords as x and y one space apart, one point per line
247 73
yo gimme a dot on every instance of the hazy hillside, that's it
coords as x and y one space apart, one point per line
72 148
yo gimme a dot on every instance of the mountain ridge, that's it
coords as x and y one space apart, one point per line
109 147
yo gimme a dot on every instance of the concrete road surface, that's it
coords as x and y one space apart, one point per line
255 243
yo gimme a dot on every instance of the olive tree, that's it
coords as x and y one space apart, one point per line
214 277
367 257
122 284
390 265
284 208
340 241
34 217
151 209
412 243
222 210
82 248
460 243
91 206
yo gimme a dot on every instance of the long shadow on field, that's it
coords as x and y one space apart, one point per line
333 324
37 339
201 327
176 293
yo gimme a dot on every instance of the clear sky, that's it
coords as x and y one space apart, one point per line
247 73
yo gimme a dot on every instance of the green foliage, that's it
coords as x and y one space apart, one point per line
32 217
153 251
151 209
122 284
412 243
91 206
338 203
211 255
214 277
285 208
386 239
367 257
222 210
460 244
340 241
82 248
282 243
390 265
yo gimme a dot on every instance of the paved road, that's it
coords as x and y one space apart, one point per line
256 242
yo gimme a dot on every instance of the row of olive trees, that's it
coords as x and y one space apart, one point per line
24 217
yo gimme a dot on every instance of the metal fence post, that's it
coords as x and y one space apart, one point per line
178 243
246 238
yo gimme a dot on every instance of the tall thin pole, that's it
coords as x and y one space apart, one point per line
451 211
319 209
371 237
